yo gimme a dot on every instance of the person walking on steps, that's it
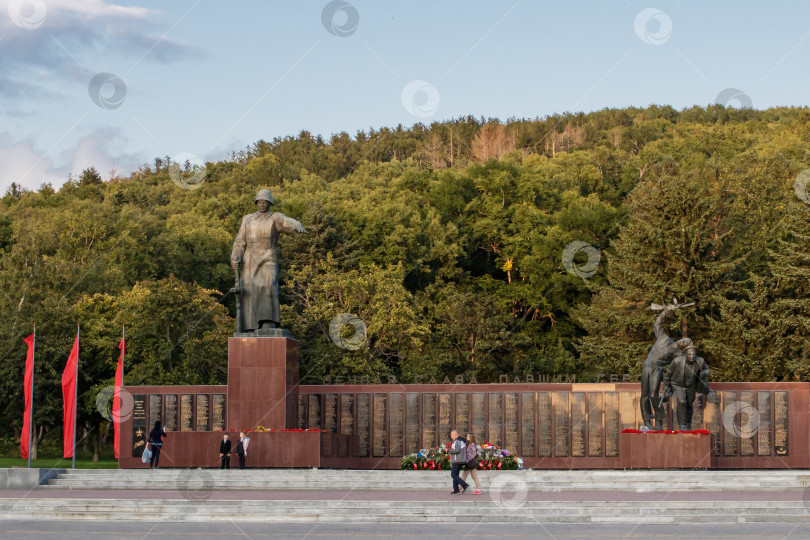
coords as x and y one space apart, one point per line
458 458
156 444
472 463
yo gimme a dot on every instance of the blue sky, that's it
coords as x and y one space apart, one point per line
207 78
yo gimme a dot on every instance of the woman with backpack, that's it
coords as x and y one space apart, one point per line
472 463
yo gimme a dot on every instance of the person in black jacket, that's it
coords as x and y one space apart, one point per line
225 452
156 443
241 449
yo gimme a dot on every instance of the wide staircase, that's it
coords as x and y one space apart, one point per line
774 496
536 481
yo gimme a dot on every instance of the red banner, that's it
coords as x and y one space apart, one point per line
69 397
29 375
116 407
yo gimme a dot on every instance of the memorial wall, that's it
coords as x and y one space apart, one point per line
567 425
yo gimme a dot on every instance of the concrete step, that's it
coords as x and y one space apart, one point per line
481 510
553 481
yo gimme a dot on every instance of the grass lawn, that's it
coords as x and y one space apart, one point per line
59 463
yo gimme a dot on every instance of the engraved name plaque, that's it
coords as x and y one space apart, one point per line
379 440
170 416
780 423
186 412
396 432
544 424
203 410
363 424
411 422
561 426
218 412
528 420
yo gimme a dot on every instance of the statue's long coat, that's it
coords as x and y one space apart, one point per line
255 246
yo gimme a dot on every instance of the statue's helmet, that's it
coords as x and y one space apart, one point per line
264 195
683 344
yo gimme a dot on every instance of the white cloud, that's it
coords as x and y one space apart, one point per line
54 50
30 167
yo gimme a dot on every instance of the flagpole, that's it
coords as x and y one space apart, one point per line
76 397
31 412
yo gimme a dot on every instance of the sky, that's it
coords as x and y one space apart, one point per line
115 84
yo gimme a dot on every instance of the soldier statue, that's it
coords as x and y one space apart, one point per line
686 375
255 251
661 354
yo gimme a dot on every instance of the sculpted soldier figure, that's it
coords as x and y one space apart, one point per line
686 375
661 354
255 250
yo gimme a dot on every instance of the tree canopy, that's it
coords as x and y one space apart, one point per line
446 240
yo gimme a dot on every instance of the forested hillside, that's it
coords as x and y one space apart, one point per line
447 240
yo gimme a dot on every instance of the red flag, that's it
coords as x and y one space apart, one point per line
69 398
27 380
119 382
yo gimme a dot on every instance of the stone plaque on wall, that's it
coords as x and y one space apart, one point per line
412 422
595 424
462 423
627 410
203 412
714 418
544 424
170 417
429 420
478 415
314 411
302 411
155 410
511 418
445 416
396 432
578 419
379 440
347 414
218 412
780 423
528 420
186 412
363 424
559 401
612 424
330 410
494 429
729 431
139 431
747 423
764 431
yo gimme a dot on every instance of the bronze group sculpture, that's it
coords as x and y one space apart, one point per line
254 252
686 375
663 351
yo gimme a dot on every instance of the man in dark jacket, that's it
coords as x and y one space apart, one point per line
458 458
686 375
241 449
660 355
225 452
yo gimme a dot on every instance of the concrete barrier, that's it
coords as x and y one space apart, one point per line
26 478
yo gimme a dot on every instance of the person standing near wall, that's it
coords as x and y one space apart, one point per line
156 443
225 452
